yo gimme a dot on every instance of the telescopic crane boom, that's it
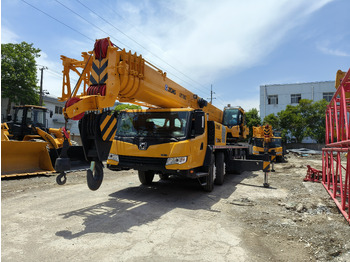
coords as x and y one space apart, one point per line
110 74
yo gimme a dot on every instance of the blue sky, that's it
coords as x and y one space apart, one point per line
234 45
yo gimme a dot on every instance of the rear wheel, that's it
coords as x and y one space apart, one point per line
146 177
220 168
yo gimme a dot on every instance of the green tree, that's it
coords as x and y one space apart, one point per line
291 121
272 120
316 121
121 107
18 73
252 119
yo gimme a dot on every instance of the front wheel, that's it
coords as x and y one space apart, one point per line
146 177
209 179
220 168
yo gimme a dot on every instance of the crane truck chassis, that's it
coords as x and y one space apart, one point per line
179 134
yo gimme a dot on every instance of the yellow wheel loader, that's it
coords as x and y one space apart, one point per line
29 147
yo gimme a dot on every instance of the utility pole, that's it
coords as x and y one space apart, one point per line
211 94
41 85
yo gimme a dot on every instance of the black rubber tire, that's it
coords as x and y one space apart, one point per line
209 179
61 179
146 177
94 178
220 168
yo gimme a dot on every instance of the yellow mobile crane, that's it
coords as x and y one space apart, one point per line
273 145
180 133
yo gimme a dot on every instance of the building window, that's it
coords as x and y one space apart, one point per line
272 100
58 110
295 98
328 96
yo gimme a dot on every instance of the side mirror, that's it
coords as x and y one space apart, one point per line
51 113
199 122
9 117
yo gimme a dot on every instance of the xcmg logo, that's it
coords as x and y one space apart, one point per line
170 89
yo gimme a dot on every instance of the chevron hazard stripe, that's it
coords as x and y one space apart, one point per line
266 166
108 127
99 73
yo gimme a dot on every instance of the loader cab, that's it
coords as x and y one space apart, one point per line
25 118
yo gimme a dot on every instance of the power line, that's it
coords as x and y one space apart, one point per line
57 20
139 44
108 33
87 21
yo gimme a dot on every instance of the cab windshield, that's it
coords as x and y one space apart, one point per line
231 117
33 116
259 142
150 124
275 142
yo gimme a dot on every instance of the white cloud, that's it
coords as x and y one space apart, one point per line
8 36
204 39
326 49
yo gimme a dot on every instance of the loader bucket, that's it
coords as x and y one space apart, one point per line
22 158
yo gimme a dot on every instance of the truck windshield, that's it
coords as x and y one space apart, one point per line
231 117
150 124
259 142
275 142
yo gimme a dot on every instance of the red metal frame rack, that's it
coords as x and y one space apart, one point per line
336 155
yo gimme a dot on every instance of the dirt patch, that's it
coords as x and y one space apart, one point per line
305 214
241 220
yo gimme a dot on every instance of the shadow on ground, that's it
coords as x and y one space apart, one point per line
135 206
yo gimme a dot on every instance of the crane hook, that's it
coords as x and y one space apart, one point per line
94 175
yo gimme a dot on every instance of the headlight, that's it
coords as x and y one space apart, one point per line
176 160
113 157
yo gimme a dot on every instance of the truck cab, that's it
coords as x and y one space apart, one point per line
234 120
166 141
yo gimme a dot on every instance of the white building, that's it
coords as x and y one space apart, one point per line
57 120
275 98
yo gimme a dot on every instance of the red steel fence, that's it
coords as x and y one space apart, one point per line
336 154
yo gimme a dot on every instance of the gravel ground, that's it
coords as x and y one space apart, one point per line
174 220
